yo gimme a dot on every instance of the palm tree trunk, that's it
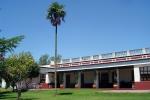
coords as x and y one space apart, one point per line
55 61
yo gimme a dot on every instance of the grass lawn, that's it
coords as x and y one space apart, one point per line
74 94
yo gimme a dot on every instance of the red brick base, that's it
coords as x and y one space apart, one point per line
44 86
144 85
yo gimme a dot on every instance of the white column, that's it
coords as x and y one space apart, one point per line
97 79
47 78
136 74
64 79
79 79
118 81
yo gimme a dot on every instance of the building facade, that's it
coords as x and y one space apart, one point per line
118 70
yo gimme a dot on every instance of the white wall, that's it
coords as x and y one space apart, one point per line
3 84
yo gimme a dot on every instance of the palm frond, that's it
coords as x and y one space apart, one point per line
56 13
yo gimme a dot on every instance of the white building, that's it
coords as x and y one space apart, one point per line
118 70
125 69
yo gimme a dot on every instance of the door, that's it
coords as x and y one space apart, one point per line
104 82
82 80
67 81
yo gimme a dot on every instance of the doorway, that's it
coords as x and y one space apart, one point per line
67 81
104 80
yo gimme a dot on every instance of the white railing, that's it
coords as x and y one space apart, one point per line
121 54
75 59
86 58
109 55
147 50
136 52
95 57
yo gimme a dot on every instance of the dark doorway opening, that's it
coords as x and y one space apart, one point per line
104 81
67 81
58 82
82 80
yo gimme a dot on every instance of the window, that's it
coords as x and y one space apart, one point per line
145 73
42 78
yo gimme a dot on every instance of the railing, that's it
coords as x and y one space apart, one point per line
121 54
86 58
147 50
65 60
136 52
109 55
76 59
96 57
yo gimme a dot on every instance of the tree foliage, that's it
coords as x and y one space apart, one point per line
44 59
8 45
33 71
56 13
19 67
59 57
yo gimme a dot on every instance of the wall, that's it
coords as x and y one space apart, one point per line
125 75
3 84
144 85
72 77
89 77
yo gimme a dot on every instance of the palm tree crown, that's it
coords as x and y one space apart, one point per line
56 13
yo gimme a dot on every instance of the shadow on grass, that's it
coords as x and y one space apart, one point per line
66 93
30 99
4 92
6 95
12 97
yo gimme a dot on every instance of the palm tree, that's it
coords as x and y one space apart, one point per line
56 14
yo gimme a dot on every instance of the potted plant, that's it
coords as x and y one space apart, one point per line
94 84
62 84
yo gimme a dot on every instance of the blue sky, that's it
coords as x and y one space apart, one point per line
90 27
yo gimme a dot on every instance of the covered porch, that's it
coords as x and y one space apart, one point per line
115 78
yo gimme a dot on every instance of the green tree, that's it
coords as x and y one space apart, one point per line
44 59
19 67
7 45
33 72
56 14
59 57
